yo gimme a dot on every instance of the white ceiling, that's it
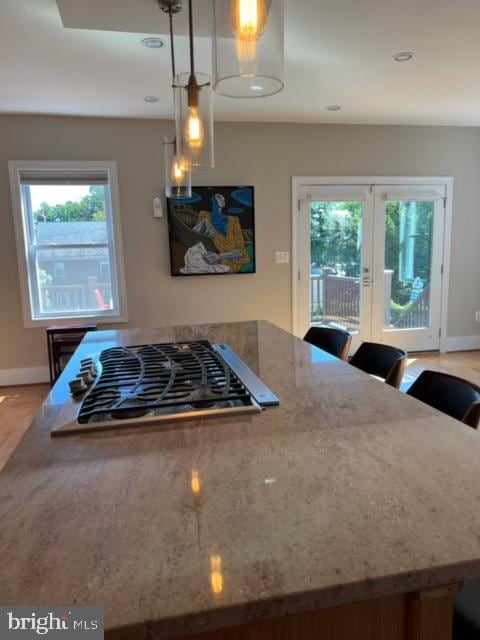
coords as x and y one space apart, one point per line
337 52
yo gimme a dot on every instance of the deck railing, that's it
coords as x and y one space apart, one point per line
74 297
336 299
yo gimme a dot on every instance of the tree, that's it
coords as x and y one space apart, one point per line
419 242
91 208
335 241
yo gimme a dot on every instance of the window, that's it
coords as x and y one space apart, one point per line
105 269
68 240
59 269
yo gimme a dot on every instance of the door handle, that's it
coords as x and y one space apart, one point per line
367 281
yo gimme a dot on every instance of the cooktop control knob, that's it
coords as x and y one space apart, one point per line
86 377
87 363
77 386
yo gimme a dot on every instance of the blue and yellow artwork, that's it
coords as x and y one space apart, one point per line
213 232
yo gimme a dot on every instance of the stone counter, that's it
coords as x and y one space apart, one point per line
348 491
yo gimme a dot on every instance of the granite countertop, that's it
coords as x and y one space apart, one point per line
348 490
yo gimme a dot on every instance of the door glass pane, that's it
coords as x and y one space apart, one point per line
336 254
408 258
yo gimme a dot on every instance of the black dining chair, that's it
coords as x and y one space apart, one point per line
382 361
454 396
466 620
334 341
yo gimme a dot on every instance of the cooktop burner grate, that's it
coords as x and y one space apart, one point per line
138 379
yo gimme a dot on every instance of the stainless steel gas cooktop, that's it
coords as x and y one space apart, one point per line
125 386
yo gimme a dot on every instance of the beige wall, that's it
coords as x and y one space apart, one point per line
265 155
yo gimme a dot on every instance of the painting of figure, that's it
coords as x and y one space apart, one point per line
212 233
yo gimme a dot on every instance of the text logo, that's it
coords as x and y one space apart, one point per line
56 622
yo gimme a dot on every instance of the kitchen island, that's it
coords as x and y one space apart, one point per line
349 511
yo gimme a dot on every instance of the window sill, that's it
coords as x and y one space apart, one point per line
63 320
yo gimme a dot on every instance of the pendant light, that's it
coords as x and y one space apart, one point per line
194 111
248 48
178 179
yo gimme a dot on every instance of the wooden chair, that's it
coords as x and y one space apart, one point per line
382 361
454 396
334 341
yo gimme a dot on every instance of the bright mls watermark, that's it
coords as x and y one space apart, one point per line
51 622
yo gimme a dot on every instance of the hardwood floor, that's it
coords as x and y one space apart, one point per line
18 405
464 364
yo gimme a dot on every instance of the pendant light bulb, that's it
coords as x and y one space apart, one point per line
194 129
180 169
178 173
178 179
248 19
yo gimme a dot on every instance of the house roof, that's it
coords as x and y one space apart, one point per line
71 232
62 233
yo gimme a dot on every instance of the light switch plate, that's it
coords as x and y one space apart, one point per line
282 257
157 207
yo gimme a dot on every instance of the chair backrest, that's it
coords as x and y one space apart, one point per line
381 360
472 417
454 396
333 341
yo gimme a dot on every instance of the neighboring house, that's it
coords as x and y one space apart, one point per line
71 276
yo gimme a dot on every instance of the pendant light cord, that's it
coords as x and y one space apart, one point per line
172 48
174 73
190 27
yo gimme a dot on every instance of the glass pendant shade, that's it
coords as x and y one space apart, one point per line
248 48
194 120
178 179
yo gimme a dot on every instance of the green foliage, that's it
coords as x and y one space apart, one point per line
91 208
417 240
335 236
44 278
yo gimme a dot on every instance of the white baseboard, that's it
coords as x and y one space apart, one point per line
34 375
463 343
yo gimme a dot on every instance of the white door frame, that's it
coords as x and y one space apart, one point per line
300 182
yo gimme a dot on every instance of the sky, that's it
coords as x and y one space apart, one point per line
56 194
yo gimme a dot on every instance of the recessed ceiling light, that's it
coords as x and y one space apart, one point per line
151 98
333 107
256 87
404 56
153 43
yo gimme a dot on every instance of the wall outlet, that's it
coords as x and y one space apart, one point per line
281 257
477 316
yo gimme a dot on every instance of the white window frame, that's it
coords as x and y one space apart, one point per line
16 168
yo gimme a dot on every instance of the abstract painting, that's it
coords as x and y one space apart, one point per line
213 232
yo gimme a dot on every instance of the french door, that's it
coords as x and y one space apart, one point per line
368 258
